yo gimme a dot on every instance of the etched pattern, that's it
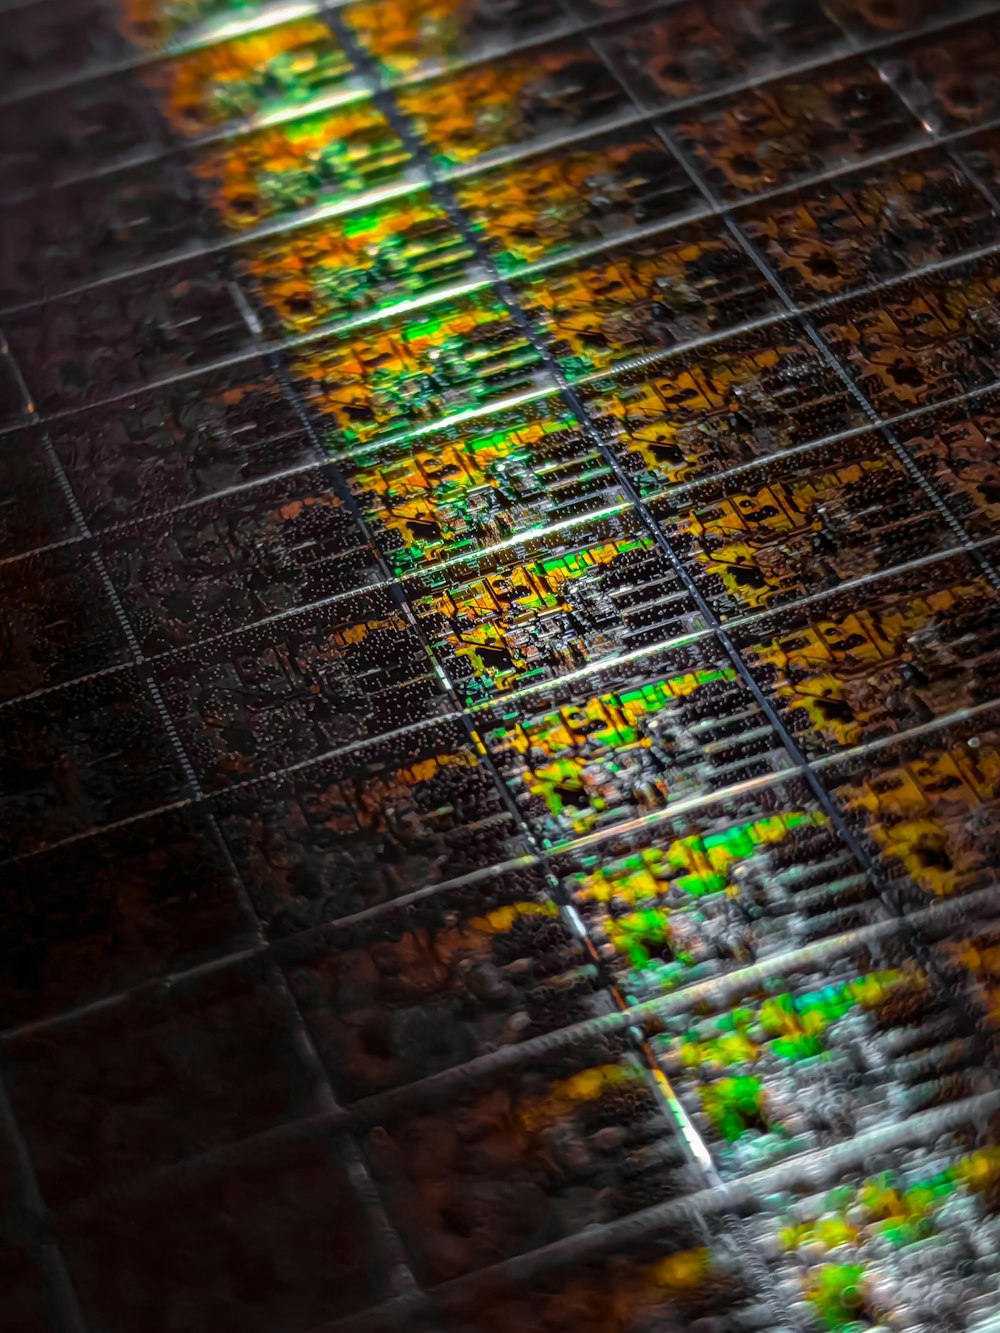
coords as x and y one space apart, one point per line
499 732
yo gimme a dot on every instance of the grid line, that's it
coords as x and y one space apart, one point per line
251 352
109 530
400 1275
226 244
718 1197
827 803
514 697
642 114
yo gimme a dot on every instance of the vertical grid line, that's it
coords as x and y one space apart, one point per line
805 319
968 1018
950 145
386 101
400 1272
60 1290
692 1142
827 803
574 401
396 588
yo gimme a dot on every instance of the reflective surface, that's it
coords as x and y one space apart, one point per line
499 724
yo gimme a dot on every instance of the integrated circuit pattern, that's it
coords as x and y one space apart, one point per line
500 802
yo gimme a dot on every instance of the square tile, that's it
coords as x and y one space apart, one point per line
476 484
354 265
924 1262
82 756
60 622
706 411
121 1092
212 568
111 911
358 830
771 1071
529 98
735 880
326 157
52 39
94 125
264 1242
298 687
646 297
251 78
927 805
82 348
863 665
582 193
98 226
414 992
629 740
956 450
921 342
34 510
951 79
525 1159
875 223
794 527
180 442
406 372
698 48
531 611
774 135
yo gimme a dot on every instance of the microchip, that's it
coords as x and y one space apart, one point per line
499 587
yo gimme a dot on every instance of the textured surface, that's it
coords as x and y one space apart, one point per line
499 764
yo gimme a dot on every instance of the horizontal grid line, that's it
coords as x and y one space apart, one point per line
143 60
279 775
645 1218
157 984
166 656
716 989
713 990
233 243
601 1238
270 17
485 1067
109 532
642 113
747 1186
511 700
651 360
746 1192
